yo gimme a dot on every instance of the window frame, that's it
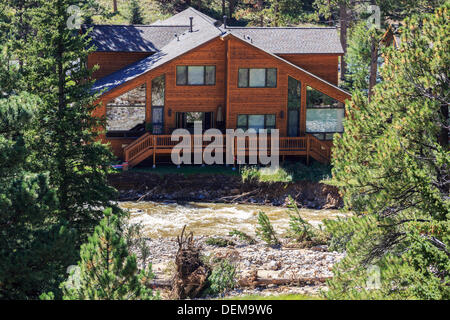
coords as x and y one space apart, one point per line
266 70
126 133
324 134
265 121
186 77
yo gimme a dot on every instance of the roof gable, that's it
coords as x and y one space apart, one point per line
152 38
313 77
185 43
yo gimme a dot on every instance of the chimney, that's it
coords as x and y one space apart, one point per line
225 22
191 29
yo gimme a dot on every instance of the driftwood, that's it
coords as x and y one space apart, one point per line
254 281
236 197
191 273
147 194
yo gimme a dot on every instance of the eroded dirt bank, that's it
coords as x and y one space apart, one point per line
147 186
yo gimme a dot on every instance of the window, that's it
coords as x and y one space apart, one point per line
257 78
158 101
324 115
187 120
256 121
125 114
294 93
196 75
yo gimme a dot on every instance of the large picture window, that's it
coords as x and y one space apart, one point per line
256 121
125 114
257 78
196 75
324 115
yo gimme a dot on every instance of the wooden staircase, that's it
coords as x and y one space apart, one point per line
150 145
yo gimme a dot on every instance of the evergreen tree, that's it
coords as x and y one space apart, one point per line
359 56
392 167
65 131
35 246
107 270
135 13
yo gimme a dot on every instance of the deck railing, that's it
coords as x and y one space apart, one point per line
150 145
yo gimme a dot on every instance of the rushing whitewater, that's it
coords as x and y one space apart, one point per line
166 220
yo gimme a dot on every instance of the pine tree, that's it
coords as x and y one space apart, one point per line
359 56
392 167
65 129
107 270
135 13
35 247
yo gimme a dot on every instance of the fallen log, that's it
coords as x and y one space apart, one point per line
264 282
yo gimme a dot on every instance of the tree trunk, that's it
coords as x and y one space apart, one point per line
343 17
223 8
373 64
260 7
276 14
114 6
443 137
231 7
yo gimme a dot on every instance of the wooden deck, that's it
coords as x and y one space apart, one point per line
150 145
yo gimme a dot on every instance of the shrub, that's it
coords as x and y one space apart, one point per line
301 229
255 174
242 236
222 277
219 242
265 230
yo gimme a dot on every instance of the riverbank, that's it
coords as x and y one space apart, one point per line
260 269
221 188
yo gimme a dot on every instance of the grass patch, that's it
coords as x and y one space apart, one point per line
219 242
163 170
275 297
262 174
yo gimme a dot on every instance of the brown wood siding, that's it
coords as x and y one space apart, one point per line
268 100
228 55
110 62
178 98
322 65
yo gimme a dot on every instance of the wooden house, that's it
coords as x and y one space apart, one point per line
156 78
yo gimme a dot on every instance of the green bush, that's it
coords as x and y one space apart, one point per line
219 242
301 229
256 174
222 277
266 231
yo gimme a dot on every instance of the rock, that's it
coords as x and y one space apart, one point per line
274 265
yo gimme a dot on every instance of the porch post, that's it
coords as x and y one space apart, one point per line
154 151
308 144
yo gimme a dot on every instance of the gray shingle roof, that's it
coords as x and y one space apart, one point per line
187 41
292 40
159 38
133 38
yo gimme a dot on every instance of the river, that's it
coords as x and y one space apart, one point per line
167 219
